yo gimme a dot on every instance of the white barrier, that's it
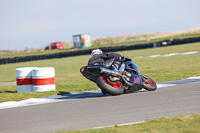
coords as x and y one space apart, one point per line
24 79
43 79
35 79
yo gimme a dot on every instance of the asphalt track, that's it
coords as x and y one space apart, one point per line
107 110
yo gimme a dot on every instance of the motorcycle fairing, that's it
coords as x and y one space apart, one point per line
91 72
133 69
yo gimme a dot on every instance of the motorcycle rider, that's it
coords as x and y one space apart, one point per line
114 60
99 57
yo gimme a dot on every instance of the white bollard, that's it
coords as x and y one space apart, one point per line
43 79
24 79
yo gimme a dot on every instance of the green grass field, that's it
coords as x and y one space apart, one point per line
69 79
178 124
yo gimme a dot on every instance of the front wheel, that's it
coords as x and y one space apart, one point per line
114 88
148 83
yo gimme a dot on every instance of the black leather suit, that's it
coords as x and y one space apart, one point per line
101 58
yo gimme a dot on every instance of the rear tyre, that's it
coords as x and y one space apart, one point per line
148 83
115 88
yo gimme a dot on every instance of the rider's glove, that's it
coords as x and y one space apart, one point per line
121 58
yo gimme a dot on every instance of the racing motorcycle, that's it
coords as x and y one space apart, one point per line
117 77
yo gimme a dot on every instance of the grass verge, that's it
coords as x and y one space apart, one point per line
178 124
68 78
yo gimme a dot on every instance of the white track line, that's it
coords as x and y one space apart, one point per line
77 95
171 54
124 124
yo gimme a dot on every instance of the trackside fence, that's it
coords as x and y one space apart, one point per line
105 49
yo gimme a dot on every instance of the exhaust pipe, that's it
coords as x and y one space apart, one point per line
115 73
108 71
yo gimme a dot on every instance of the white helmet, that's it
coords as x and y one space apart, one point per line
96 52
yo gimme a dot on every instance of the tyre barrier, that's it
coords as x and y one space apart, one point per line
43 79
35 79
105 49
24 79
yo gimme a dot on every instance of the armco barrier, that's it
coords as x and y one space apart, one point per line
105 49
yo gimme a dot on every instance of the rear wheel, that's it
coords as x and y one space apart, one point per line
148 83
112 88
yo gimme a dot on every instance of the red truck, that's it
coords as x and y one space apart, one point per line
55 45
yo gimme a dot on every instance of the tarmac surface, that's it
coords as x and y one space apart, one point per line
104 110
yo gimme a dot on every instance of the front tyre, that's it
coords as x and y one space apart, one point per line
148 83
115 88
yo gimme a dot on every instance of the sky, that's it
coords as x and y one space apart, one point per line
36 23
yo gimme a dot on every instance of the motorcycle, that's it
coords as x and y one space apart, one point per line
117 77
